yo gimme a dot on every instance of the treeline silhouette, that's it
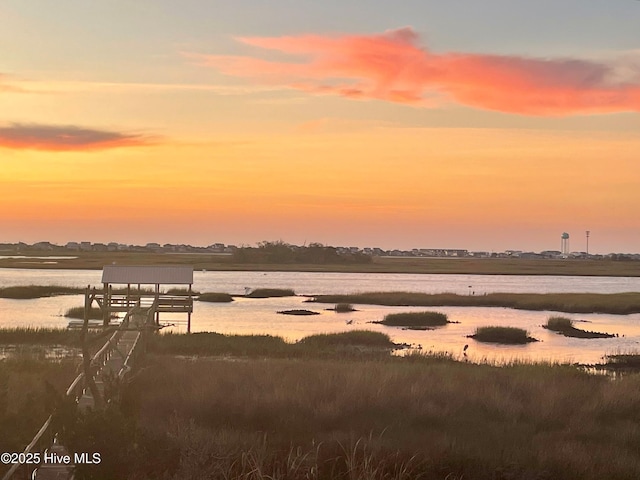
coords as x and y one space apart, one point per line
281 252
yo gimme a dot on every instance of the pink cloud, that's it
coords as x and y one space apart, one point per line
67 138
394 67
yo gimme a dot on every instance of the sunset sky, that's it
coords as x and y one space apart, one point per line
486 125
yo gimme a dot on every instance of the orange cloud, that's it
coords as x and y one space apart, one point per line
7 87
58 138
394 67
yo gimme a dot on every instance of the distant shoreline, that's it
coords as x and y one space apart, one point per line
410 265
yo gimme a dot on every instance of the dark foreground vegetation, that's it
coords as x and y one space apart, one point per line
415 319
39 336
614 303
255 407
409 418
28 386
565 326
506 335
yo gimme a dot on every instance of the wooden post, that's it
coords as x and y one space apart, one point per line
106 311
157 297
86 356
189 312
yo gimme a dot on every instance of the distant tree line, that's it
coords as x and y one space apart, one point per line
281 252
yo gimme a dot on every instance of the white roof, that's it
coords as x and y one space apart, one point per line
148 275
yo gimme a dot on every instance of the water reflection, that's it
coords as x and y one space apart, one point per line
258 316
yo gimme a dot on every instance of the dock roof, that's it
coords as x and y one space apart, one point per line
148 275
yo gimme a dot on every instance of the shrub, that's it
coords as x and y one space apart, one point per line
344 308
559 324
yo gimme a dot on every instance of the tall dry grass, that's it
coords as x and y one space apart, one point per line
391 419
28 386
614 303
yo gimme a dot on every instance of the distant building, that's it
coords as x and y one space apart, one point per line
42 246
153 247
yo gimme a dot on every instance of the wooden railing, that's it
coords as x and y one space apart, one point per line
45 436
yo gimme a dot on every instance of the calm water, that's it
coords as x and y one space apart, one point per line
246 316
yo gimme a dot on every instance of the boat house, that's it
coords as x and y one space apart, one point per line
141 286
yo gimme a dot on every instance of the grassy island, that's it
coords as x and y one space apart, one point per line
415 319
565 326
27 292
298 311
271 292
614 303
215 297
505 335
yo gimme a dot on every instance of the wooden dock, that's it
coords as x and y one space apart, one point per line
113 361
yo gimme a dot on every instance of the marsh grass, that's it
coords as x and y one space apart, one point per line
210 343
271 292
506 335
78 312
37 291
28 292
39 336
613 303
362 338
344 308
260 346
565 327
28 386
559 324
397 418
415 319
622 361
215 297
182 291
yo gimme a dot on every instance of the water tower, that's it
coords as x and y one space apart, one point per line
564 245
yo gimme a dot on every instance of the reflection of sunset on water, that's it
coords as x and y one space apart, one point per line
249 316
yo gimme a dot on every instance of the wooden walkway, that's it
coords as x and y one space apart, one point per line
113 361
